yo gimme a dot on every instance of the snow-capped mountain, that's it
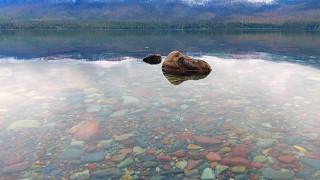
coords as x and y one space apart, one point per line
162 10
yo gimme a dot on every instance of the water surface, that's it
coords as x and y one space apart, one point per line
255 116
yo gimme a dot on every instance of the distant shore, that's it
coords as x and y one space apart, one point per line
202 25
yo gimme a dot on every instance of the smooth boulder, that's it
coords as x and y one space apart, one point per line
177 63
153 59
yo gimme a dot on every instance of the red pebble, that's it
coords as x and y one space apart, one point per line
273 153
206 140
86 130
91 166
256 165
247 142
253 177
180 153
15 159
212 156
240 151
286 159
150 151
164 158
184 135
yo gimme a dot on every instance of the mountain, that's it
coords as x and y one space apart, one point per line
266 11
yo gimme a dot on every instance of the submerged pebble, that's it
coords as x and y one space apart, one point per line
149 164
125 163
119 113
182 164
265 143
86 130
138 150
238 169
315 163
24 124
106 173
130 100
123 137
220 168
283 174
15 168
208 174
82 175
71 153
93 108
260 158
193 173
93 157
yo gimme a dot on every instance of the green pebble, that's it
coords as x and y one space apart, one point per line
260 159
127 162
208 174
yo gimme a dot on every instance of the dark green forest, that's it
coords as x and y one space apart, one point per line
201 25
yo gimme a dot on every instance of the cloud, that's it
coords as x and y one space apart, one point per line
204 2
261 1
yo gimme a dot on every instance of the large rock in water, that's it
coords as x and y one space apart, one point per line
179 64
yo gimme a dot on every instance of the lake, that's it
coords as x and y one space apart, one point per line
83 105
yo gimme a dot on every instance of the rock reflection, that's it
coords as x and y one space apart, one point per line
177 80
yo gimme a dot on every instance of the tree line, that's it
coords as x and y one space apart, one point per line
200 25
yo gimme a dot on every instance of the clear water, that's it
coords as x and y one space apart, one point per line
77 119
